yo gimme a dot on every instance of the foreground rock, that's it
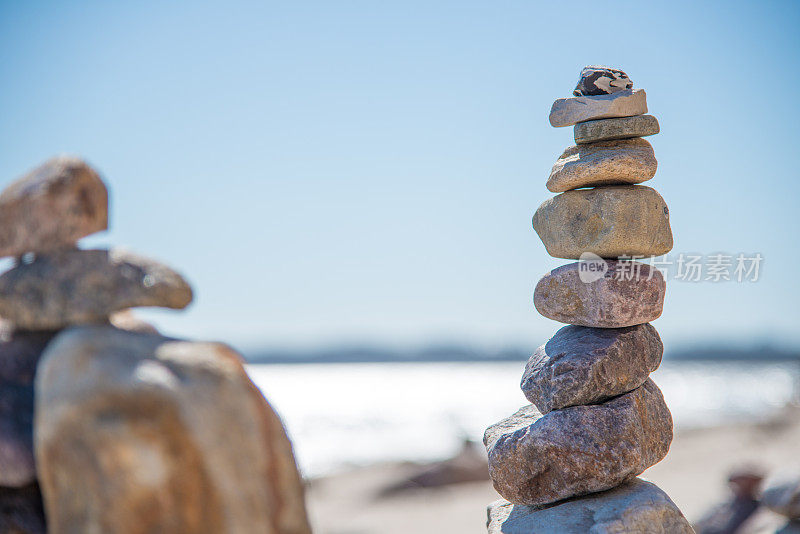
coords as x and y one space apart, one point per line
626 103
601 80
609 221
619 128
74 286
636 506
21 510
537 460
582 365
19 355
142 433
51 207
624 161
783 499
627 294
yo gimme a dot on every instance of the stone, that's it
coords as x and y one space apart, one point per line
601 80
21 510
783 499
613 221
51 207
626 294
72 286
581 365
142 433
127 320
539 459
623 161
635 506
619 128
626 103
19 355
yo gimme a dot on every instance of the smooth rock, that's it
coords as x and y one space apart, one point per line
623 161
627 294
539 459
601 80
72 287
636 506
127 320
783 499
141 433
581 365
19 355
51 207
21 511
626 103
613 221
619 128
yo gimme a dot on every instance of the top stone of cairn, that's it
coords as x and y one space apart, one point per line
52 207
601 80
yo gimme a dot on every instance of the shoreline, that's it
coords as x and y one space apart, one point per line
693 474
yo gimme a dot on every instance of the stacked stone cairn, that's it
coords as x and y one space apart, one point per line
568 462
106 425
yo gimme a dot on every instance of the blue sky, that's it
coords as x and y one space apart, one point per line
346 172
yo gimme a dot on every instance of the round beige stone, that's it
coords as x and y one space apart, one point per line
613 221
622 161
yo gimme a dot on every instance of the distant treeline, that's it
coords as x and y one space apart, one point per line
465 354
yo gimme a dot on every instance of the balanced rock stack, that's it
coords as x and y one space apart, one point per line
568 462
105 425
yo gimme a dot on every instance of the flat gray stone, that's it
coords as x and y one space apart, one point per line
611 222
581 365
601 80
619 128
626 294
51 207
539 459
622 161
141 433
626 103
635 506
72 286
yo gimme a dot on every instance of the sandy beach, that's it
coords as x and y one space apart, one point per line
693 474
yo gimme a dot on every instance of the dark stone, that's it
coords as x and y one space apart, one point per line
21 510
601 80
582 365
19 355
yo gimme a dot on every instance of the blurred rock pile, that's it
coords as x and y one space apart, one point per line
106 425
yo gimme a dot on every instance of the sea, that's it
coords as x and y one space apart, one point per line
344 415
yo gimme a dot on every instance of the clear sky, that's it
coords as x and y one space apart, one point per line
347 172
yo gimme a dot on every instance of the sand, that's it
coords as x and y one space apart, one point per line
693 474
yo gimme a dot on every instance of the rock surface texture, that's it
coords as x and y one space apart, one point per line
783 499
624 161
636 506
21 510
629 293
619 128
570 111
609 221
72 286
582 365
539 459
141 433
52 207
601 80
19 355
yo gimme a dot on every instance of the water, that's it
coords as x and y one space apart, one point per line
341 415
